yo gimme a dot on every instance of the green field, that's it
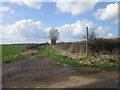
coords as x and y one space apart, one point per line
9 50
12 53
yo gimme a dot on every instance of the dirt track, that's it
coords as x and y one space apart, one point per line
45 73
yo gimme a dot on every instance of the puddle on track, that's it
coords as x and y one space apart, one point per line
61 66
44 72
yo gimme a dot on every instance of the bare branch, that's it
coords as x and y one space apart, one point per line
91 34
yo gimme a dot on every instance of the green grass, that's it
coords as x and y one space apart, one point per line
0 53
56 65
108 62
54 55
12 53
18 57
9 50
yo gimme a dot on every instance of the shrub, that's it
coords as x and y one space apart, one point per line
97 46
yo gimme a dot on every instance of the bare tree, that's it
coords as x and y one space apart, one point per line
91 34
53 35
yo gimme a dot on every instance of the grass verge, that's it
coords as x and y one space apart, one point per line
17 57
107 62
54 55
49 51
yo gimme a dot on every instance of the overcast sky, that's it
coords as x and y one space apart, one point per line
24 22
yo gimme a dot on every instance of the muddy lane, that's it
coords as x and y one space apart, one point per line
33 72
45 73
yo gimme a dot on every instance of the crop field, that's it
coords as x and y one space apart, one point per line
9 50
47 60
13 53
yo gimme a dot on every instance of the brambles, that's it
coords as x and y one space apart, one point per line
99 47
50 51
30 47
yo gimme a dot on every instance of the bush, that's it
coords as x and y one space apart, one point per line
97 46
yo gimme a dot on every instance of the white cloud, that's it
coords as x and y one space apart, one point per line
30 31
12 11
102 31
76 8
75 31
110 12
109 35
23 31
36 5
4 8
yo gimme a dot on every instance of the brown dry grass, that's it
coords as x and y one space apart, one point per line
96 47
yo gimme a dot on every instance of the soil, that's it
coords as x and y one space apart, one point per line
29 51
45 73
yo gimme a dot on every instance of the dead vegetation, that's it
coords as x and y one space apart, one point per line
32 47
96 47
